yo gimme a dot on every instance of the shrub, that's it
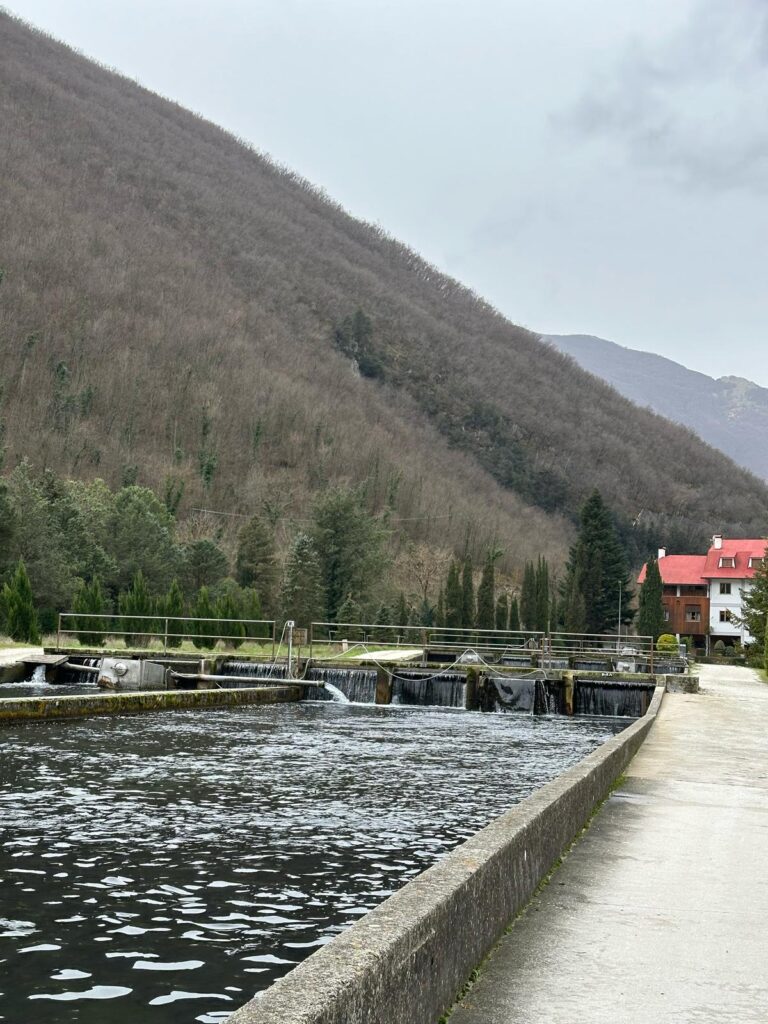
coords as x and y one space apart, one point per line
730 652
719 648
667 644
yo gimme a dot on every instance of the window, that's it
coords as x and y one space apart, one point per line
725 588
756 563
692 613
666 614
725 615
727 562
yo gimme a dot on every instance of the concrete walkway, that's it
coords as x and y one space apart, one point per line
13 655
660 912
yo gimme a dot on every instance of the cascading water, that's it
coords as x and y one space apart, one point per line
255 669
447 689
357 685
611 700
71 676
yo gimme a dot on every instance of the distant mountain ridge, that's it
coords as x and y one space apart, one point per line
730 413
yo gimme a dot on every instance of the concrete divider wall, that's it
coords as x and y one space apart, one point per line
19 709
406 961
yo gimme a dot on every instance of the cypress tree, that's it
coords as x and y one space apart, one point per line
203 636
528 598
467 595
542 595
486 610
89 601
18 606
453 598
402 611
650 615
136 601
514 615
440 610
755 605
173 607
502 612
256 565
228 608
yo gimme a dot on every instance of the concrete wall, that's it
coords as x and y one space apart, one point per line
406 961
18 709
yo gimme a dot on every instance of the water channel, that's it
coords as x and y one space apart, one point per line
165 868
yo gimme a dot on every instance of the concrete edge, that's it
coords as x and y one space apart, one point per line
24 709
408 959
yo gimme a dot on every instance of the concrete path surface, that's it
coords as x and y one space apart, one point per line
660 912
12 655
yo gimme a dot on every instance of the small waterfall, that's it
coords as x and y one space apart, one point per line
611 700
587 664
38 676
517 695
71 677
335 693
358 685
256 669
447 689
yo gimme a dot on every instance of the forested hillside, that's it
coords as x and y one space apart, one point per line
178 312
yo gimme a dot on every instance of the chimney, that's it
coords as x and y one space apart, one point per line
717 541
662 553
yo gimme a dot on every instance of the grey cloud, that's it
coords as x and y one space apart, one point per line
691 107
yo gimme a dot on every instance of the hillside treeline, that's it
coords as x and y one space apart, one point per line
177 312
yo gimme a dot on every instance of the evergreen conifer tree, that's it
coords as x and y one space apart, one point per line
204 635
18 607
650 615
486 606
233 632
542 595
467 595
453 598
301 593
255 564
528 598
173 608
89 601
502 612
402 613
514 615
137 601
597 568
440 610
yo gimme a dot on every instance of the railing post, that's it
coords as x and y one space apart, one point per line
58 633
165 637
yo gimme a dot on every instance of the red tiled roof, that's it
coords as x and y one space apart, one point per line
741 551
685 570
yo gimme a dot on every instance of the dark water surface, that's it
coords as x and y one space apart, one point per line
164 868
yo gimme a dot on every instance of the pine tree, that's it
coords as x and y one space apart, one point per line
402 612
486 610
467 595
172 608
301 593
89 601
650 615
514 615
528 599
597 568
453 598
137 601
18 608
502 612
204 633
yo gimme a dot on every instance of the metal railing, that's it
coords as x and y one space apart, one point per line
143 630
337 636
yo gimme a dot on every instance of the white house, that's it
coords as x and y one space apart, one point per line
729 569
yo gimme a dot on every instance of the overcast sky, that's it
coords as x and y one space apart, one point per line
596 167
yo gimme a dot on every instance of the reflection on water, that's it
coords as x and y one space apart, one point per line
165 868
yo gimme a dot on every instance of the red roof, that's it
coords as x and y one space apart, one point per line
683 570
740 551
695 570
